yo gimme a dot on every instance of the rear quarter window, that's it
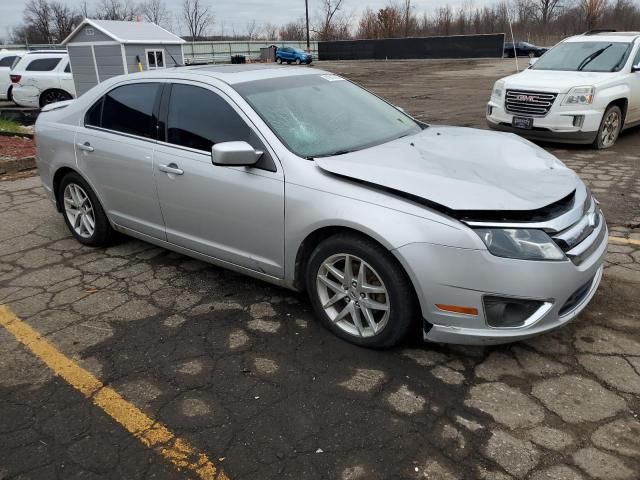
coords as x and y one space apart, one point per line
7 61
43 64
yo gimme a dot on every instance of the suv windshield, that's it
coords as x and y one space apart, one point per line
585 57
322 115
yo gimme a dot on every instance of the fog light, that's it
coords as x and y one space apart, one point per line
578 120
504 312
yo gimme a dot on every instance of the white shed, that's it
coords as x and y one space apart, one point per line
101 49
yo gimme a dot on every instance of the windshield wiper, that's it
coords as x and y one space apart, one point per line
333 154
592 57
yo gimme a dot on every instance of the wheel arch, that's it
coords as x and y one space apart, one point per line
55 184
623 104
313 239
52 89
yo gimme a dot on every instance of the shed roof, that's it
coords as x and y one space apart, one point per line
128 32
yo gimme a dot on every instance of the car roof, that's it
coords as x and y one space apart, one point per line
230 74
605 37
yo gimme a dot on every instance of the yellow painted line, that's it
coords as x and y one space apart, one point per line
152 434
624 241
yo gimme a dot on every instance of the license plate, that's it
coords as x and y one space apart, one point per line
522 122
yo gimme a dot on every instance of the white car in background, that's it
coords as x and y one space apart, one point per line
42 77
586 89
7 59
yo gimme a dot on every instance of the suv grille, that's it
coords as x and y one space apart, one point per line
529 103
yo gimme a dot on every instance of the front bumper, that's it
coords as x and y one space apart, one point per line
559 125
26 96
454 276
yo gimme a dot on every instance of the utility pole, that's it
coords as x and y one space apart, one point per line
306 7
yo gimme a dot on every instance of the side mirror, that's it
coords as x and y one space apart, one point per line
234 154
635 68
533 60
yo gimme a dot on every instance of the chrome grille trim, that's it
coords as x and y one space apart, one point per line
536 104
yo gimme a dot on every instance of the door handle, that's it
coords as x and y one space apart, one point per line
171 168
85 147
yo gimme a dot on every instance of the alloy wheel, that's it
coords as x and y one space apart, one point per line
610 129
79 210
353 295
54 96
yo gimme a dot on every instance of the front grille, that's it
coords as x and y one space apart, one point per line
523 102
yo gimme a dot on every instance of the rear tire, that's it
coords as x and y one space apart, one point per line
279 60
376 308
10 93
610 127
53 96
83 212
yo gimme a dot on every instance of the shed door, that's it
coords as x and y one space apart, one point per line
84 71
109 60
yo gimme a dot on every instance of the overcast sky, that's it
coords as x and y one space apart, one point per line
236 14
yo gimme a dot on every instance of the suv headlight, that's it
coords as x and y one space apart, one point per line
579 96
520 243
498 91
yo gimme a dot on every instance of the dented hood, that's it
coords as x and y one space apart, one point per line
461 169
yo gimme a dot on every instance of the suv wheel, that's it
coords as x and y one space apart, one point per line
53 96
298 61
360 292
610 127
279 60
83 213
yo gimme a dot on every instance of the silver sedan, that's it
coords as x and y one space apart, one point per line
306 180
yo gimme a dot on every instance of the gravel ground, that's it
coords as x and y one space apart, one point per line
16 147
243 372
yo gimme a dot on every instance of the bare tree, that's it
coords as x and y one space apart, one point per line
593 10
116 10
252 30
547 9
293 31
64 20
196 17
270 31
155 11
329 20
38 20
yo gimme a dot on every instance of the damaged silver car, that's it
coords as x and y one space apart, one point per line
306 180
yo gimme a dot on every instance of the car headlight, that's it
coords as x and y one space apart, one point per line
497 92
520 243
579 96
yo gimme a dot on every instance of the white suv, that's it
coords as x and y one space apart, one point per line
586 89
42 77
7 59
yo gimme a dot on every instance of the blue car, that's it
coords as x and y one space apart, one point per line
291 55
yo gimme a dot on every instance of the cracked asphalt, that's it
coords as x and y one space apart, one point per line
242 371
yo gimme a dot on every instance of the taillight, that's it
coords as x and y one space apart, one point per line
15 78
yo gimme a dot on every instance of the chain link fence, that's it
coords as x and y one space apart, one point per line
208 51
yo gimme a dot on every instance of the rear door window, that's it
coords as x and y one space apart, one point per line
43 64
129 109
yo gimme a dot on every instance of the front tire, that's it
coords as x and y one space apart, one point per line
279 60
610 127
298 62
83 213
360 292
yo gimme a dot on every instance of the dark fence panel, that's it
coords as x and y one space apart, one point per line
456 46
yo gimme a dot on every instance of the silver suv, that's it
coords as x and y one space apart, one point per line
303 179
